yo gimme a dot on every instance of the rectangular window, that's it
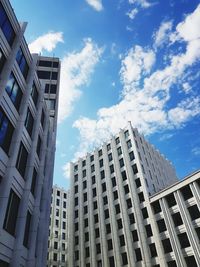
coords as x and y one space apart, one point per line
14 91
102 173
47 75
161 225
183 239
167 245
39 143
34 94
29 122
101 163
50 88
11 213
33 183
110 158
2 60
152 249
135 169
6 26
129 144
124 258
6 131
22 62
27 229
124 176
112 168
131 156
121 163
51 104
117 141
119 151
22 160
138 254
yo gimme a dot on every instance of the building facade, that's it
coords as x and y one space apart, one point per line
110 215
58 228
27 144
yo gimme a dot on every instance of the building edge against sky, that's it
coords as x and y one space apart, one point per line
29 88
127 208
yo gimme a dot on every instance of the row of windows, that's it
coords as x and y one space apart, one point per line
11 217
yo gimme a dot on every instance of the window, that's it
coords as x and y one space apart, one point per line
29 121
156 207
4 264
95 205
117 208
138 254
83 163
76 240
121 163
75 177
42 119
85 209
91 158
171 201
152 249
84 173
112 261
148 230
86 222
22 160
85 197
55 245
47 75
38 149
126 189
111 168
76 213
34 94
76 201
76 226
129 145
14 91
94 192
124 176
87 252
131 155
135 235
2 60
84 184
106 214
171 264
108 229
167 245
161 225
64 225
126 133
115 194
198 232
6 131
6 26
124 258
141 197
76 168
86 236
113 182
102 173
110 245
101 163
51 104
33 183
131 218
96 218
183 239
63 236
57 202
129 203
76 189
119 223
122 240
108 147
64 214
110 158
97 234
119 151
98 248
117 141
93 179
134 168
186 192
55 256
63 257
105 200
103 187
22 62
11 213
194 212
145 213
190 261
99 263
50 88
177 219
76 255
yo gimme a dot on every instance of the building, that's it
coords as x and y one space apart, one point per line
57 244
110 215
27 144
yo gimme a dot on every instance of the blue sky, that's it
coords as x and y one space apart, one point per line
125 60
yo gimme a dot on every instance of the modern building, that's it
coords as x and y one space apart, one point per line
58 228
27 144
111 222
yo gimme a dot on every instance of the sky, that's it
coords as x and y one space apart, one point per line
122 60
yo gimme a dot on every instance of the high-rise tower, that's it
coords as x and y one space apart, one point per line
28 122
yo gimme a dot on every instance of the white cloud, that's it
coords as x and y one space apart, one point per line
76 69
166 136
142 3
186 87
66 170
163 33
96 4
131 14
145 94
46 42
196 151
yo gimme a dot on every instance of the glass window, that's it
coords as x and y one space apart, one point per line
124 176
171 201
117 141
183 239
103 187
108 147
22 62
167 245
138 254
91 158
129 203
126 189
101 163
100 152
194 212
108 228
152 249
177 219
190 261
144 213
148 230
34 94
22 160
124 258
110 245
129 144
135 169
27 229
111 261
50 88
51 104
121 163
14 91
102 173
186 192
112 168
6 26
171 264
33 183
156 207
117 208
161 225
126 133
114 182
141 197
2 60
135 235
119 151
131 218
29 122
6 131
47 75
11 213
110 158
119 223
86 236
38 149
98 248
131 156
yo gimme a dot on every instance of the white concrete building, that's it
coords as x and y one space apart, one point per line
27 145
58 228
111 222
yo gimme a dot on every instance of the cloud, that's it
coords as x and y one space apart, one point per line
131 14
46 42
196 151
76 70
142 3
96 4
166 136
163 33
66 170
146 92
